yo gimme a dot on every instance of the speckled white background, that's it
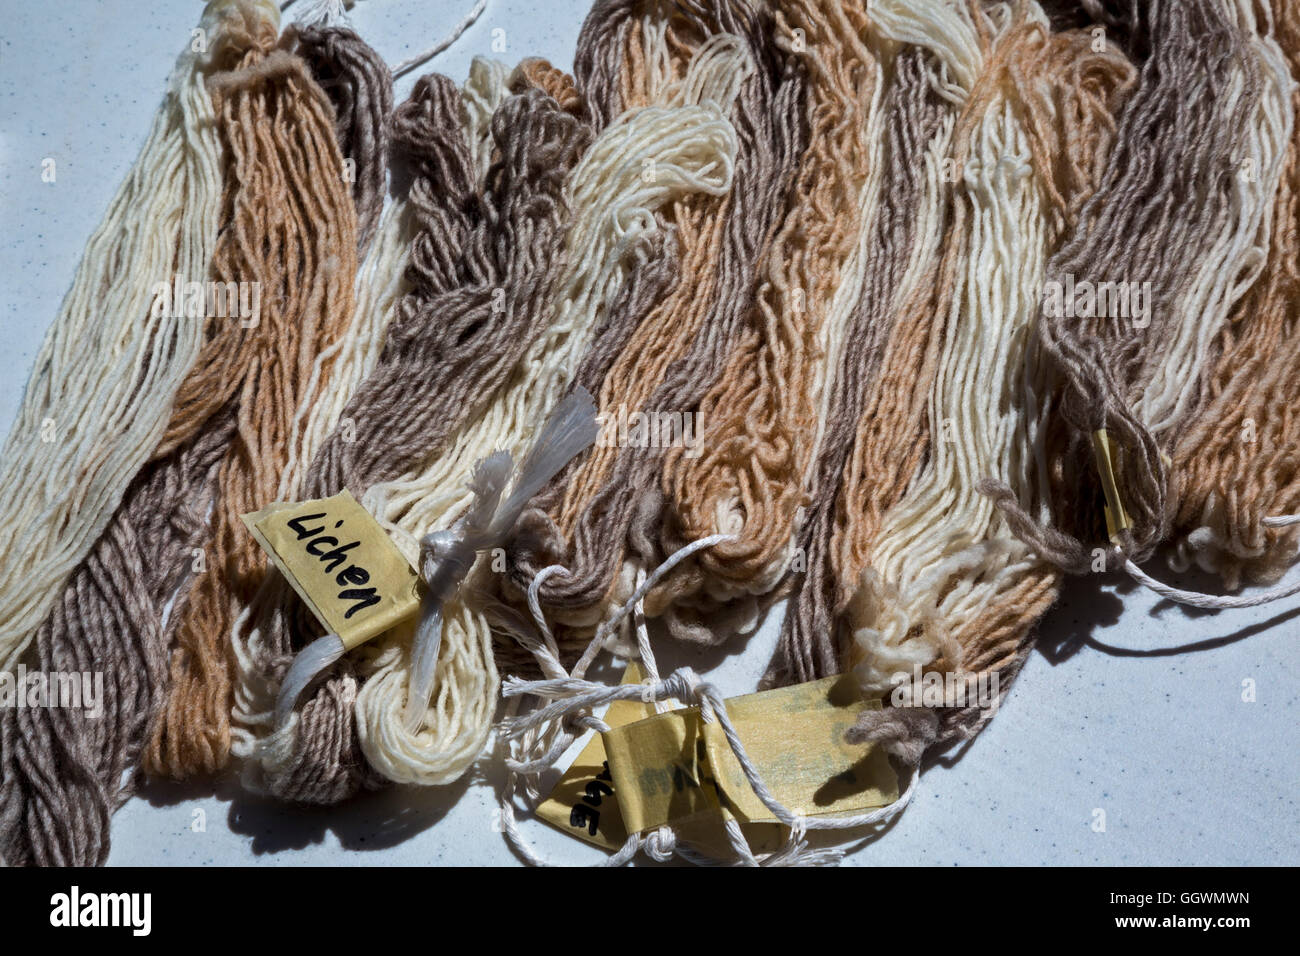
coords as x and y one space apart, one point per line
1128 705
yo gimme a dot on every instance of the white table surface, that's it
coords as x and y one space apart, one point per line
1128 705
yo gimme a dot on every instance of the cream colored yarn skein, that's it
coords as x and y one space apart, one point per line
944 551
103 384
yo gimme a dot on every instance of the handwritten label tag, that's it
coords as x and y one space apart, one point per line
673 767
583 802
342 564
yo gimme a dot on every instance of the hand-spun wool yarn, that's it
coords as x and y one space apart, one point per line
1009 118
760 423
719 66
293 232
558 85
102 386
63 771
614 257
951 587
606 507
1070 89
627 49
1173 217
382 283
899 251
464 696
892 433
449 331
428 140
949 580
986 626
360 87
1238 462
1236 258
980 313
1000 648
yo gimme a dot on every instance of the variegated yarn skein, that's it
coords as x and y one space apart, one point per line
102 386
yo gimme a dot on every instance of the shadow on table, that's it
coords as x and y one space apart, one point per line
1090 605
375 820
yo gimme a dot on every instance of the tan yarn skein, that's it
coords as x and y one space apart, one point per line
760 421
292 231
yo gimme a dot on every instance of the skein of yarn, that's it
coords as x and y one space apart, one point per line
429 140
681 138
382 283
1192 232
895 275
64 771
1235 462
601 519
892 435
293 233
360 87
102 386
983 622
761 422
943 555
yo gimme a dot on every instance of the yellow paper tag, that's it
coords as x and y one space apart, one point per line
584 803
342 564
672 766
1107 453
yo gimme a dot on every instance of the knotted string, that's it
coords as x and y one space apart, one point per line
537 739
